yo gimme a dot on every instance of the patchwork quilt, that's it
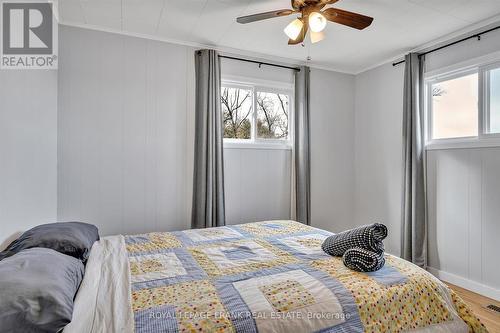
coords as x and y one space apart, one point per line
274 277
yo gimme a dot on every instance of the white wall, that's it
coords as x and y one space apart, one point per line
463 198
464 228
28 150
125 144
378 147
467 50
234 68
332 150
122 145
257 181
464 193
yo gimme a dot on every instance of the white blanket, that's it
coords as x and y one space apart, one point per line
102 303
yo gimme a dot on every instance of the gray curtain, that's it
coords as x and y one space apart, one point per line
208 187
414 228
301 147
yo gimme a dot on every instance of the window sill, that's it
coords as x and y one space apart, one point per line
258 145
466 143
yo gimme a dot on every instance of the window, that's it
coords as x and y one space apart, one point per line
272 115
255 113
455 107
237 110
464 105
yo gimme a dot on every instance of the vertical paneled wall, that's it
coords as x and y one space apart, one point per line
463 184
28 150
378 150
332 150
464 196
257 184
126 138
125 141
257 181
122 144
464 217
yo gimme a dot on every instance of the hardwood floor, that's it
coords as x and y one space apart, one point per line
478 303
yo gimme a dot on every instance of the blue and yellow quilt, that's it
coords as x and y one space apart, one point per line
274 277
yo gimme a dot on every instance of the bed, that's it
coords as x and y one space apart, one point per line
258 277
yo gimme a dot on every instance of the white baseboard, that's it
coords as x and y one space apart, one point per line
466 283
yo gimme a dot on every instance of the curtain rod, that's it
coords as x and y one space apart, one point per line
478 36
261 63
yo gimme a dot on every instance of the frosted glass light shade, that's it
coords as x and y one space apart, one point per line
293 29
317 22
317 36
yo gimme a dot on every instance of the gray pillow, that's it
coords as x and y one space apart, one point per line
37 288
72 238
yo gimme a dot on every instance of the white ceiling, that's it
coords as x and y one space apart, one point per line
399 25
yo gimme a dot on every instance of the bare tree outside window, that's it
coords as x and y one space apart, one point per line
272 115
236 109
254 114
438 91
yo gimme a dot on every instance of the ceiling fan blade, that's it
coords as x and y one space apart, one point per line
264 16
302 35
350 19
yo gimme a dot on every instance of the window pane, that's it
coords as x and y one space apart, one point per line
237 112
494 101
272 115
455 108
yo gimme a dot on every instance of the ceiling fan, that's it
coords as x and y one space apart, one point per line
311 17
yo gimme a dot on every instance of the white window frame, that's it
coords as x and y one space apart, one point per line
256 85
481 66
485 82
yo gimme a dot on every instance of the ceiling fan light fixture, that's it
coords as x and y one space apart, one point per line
311 16
317 22
317 36
293 29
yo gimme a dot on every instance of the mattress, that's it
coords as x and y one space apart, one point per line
267 276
